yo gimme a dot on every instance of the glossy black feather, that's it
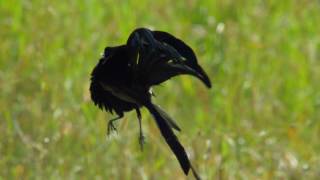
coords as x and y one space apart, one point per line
123 77
170 138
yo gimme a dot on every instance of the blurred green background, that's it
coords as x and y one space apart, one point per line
259 121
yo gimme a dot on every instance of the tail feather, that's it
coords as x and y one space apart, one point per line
169 120
170 138
195 174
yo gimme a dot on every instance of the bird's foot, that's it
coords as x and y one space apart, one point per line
141 141
111 128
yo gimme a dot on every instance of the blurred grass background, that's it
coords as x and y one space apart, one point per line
259 121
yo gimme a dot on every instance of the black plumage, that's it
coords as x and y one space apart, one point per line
123 78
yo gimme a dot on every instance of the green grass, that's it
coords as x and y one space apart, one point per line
259 121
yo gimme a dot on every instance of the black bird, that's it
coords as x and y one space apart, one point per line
123 78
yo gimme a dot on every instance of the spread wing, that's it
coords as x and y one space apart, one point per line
161 56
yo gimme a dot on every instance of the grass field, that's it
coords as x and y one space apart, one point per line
259 121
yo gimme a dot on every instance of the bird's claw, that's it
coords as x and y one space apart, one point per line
141 141
111 127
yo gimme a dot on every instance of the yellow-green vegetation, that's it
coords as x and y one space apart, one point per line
259 121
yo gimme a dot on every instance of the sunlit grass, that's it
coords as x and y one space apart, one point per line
259 121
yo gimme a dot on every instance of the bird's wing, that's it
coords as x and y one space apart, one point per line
111 70
185 51
162 72
178 44
163 53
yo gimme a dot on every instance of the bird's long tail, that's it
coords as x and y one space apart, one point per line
171 139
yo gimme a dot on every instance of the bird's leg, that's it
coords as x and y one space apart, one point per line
141 137
111 126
